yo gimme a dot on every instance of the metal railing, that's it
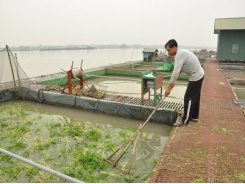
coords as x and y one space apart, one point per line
34 164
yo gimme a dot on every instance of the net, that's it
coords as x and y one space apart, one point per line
95 91
11 73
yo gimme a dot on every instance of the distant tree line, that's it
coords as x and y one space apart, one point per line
95 46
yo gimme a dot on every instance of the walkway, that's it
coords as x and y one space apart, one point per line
212 150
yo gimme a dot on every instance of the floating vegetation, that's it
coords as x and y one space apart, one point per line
74 148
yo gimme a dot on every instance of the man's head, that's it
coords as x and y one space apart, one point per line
171 46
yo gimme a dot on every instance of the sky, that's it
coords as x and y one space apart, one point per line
146 22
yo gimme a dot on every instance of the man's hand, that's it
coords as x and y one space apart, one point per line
169 88
167 92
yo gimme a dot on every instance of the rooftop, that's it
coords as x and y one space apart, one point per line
237 23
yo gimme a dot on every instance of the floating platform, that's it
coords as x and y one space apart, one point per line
118 105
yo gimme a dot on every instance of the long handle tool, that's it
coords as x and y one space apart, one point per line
134 137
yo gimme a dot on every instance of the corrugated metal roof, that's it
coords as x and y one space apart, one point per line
237 23
150 50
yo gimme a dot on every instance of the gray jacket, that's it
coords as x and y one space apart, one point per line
187 62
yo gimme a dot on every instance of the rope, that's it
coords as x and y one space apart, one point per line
49 87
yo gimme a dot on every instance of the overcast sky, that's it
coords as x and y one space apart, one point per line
148 22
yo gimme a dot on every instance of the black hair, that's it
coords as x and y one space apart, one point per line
171 43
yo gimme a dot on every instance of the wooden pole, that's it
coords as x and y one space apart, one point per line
11 66
124 151
133 137
133 152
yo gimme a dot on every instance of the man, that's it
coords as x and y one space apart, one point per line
187 62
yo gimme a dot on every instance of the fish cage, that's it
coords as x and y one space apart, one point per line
91 96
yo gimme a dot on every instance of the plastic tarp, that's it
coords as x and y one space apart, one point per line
162 115
145 54
167 67
6 95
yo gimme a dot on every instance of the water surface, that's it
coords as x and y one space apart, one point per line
37 63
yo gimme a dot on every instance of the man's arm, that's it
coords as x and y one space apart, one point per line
168 89
175 74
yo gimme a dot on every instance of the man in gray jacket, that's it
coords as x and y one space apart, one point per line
187 62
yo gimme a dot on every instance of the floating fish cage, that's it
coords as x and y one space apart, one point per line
117 105
93 98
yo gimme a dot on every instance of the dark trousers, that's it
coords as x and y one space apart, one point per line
192 100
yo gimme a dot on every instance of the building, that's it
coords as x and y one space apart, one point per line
150 54
231 38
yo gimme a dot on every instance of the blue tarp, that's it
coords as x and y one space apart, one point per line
6 95
165 116
145 54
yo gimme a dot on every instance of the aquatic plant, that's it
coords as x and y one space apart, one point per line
93 135
71 147
16 146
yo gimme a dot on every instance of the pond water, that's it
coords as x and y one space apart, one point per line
239 89
237 72
131 86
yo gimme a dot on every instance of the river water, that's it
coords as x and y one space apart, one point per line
37 63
